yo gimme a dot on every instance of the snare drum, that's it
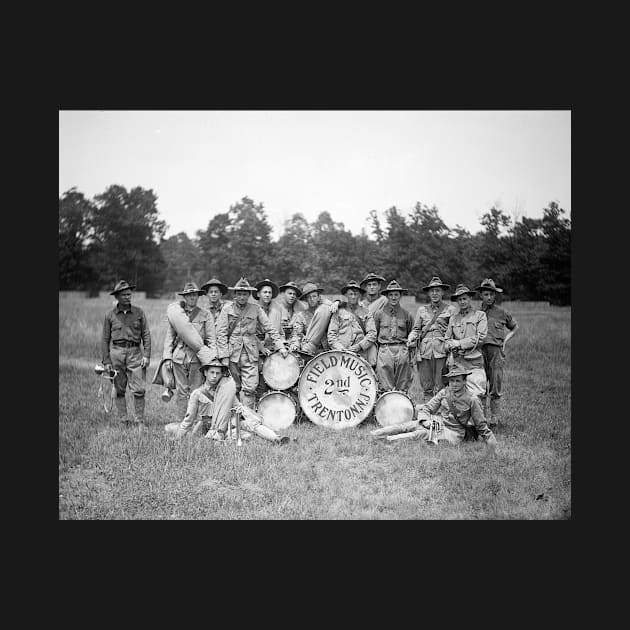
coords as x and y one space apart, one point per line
337 389
393 407
281 373
278 410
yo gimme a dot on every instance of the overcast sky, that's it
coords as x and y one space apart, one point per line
198 163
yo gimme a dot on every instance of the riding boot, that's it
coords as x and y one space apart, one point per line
139 409
121 408
494 412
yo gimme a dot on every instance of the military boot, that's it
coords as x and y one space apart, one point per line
121 409
182 405
139 409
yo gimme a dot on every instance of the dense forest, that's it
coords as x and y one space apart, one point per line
119 234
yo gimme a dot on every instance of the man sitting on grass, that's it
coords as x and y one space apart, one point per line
213 404
446 416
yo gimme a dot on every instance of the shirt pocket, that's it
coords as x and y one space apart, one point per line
249 324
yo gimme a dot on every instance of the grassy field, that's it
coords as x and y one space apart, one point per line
107 472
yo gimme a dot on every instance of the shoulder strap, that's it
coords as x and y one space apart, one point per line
358 320
232 325
193 313
425 330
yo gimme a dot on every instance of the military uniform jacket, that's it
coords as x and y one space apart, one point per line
176 349
432 344
471 329
274 315
236 331
301 322
216 310
376 305
344 330
131 326
498 321
458 411
288 314
393 324
203 399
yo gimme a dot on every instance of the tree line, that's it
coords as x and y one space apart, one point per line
119 234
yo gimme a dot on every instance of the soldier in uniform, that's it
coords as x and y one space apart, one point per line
127 329
211 406
464 335
427 337
393 325
266 291
500 322
214 290
373 300
447 416
352 326
310 326
289 305
185 361
237 342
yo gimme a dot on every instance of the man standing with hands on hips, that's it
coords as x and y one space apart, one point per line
127 329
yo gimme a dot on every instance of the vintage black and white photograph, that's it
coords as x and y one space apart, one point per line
315 314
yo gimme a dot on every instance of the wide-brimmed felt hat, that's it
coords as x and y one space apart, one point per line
488 285
309 287
370 277
458 370
460 290
291 285
121 285
267 283
191 287
243 285
393 286
352 285
213 282
436 282
212 363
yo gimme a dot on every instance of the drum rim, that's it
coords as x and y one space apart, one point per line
276 391
297 365
319 356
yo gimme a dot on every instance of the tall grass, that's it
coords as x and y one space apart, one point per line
108 472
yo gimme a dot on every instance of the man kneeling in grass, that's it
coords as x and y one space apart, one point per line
213 404
446 416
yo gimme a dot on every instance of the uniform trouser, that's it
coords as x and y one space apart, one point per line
416 429
127 362
494 360
187 379
246 376
219 410
316 331
430 371
392 368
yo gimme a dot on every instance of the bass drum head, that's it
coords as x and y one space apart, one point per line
280 373
393 408
337 389
277 409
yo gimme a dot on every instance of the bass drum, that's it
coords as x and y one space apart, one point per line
393 407
337 389
278 410
281 373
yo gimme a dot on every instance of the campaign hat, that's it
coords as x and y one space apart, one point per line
461 290
352 285
310 287
243 285
267 283
213 282
121 285
191 287
458 370
393 286
370 277
436 282
489 285
291 285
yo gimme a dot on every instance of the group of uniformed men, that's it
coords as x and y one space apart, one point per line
443 341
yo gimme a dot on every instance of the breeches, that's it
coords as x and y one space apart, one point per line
187 378
315 335
494 360
392 368
127 362
245 374
430 371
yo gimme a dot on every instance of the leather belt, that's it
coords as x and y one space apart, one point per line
393 343
126 344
